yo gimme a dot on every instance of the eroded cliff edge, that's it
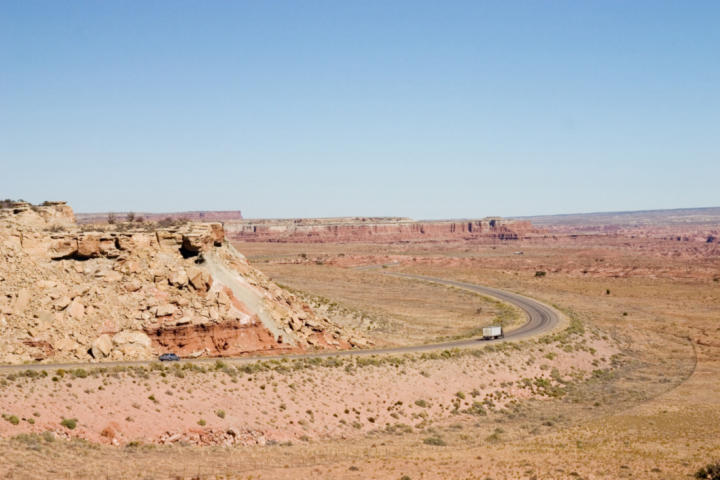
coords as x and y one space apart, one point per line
127 292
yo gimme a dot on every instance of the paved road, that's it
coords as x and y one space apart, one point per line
540 319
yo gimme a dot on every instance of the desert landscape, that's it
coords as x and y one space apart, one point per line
630 367
370 240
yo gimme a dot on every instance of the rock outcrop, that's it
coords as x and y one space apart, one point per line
118 294
47 215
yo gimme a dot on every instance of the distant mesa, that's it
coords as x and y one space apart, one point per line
637 218
375 229
680 224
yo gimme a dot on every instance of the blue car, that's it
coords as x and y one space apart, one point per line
168 357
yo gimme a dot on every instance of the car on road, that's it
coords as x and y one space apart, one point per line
168 357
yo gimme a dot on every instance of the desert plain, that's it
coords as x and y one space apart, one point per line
627 386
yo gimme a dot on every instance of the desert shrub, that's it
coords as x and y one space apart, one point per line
220 413
13 419
495 436
421 403
540 273
435 440
476 408
711 471
201 422
398 428
69 423
55 228
171 222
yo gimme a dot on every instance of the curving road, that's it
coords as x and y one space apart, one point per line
540 319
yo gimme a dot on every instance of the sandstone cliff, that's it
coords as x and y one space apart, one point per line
68 294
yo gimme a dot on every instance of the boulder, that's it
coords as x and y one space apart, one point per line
108 247
358 342
314 325
165 310
21 301
102 346
178 278
195 243
133 285
296 324
199 279
76 309
125 242
79 291
45 284
88 246
131 337
113 276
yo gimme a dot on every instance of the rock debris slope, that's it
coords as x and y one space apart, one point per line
128 292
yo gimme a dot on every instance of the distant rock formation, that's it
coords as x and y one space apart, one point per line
375 230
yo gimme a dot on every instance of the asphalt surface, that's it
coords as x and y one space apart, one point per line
540 319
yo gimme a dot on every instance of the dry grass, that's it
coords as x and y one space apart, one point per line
390 310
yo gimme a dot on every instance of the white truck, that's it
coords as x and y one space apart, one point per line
491 333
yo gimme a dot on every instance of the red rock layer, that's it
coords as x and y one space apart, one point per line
230 338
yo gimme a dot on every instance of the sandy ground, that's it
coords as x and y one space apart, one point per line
228 406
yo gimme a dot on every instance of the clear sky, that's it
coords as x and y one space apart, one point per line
326 108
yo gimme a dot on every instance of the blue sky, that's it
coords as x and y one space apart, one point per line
323 108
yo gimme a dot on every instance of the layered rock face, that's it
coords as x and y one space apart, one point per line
374 230
67 294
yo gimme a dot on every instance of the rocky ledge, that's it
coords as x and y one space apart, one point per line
133 292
